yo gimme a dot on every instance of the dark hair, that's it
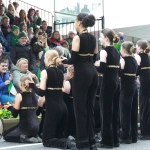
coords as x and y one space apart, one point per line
87 20
128 46
144 45
44 21
3 61
65 43
113 38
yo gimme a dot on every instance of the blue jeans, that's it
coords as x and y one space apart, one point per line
7 98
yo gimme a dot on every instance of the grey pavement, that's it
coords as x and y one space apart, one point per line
140 145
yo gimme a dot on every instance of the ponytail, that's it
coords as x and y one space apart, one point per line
147 50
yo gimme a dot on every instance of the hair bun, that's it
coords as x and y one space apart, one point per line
88 21
116 39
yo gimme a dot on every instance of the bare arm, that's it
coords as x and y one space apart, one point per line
67 87
122 62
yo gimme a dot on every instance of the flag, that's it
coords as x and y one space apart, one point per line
39 72
11 89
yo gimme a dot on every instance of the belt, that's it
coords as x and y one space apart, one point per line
54 88
29 108
86 54
128 74
113 66
97 95
70 96
143 68
100 75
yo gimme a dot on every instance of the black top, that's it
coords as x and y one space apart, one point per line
129 68
145 73
87 46
111 75
130 65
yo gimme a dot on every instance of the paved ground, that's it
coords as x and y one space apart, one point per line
141 145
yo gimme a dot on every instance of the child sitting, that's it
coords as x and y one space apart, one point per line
5 79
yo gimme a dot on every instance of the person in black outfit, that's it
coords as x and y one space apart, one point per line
56 110
128 95
68 99
109 67
85 81
25 106
143 59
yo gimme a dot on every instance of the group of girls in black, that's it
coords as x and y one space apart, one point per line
97 96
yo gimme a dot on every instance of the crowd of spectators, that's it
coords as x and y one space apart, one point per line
24 39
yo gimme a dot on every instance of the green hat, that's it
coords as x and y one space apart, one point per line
22 34
15 28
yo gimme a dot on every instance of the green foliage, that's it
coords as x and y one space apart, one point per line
5 114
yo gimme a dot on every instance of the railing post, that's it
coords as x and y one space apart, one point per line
103 22
54 25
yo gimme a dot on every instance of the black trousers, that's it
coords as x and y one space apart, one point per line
110 114
144 111
97 106
54 126
84 91
129 112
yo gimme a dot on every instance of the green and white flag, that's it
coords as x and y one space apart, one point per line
11 89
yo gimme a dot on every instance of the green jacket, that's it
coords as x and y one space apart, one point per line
17 74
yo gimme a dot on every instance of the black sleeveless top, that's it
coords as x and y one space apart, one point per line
87 46
111 75
144 73
28 119
129 68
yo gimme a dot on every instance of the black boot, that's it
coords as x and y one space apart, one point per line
71 143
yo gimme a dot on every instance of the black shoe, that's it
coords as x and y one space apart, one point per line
25 139
94 147
125 141
134 141
105 146
71 143
145 137
116 144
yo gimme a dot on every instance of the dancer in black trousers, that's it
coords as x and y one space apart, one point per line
68 99
56 110
109 67
128 95
143 50
85 81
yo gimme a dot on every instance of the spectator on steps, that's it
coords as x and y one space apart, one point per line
12 14
46 28
3 41
5 80
6 57
21 69
5 27
35 19
2 12
22 18
12 38
55 39
22 49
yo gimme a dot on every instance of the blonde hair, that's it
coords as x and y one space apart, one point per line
71 69
53 56
40 40
14 11
20 61
23 79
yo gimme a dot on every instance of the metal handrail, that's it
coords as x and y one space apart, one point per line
43 13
